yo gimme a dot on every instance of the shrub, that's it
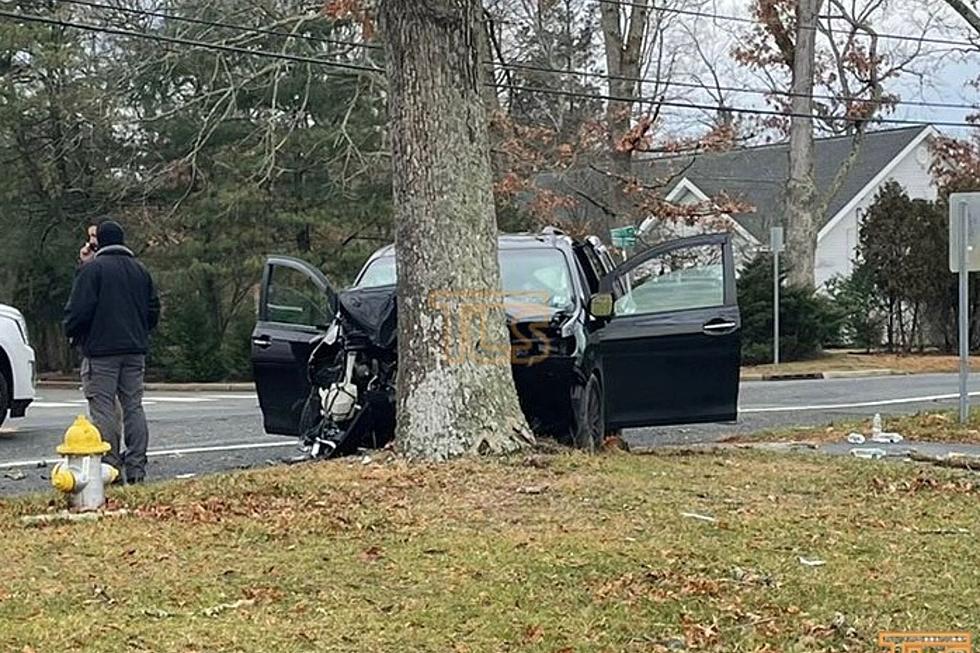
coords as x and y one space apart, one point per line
857 300
807 320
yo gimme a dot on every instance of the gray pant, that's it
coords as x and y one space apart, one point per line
104 380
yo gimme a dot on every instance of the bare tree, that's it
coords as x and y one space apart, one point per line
801 188
968 14
450 402
624 36
851 69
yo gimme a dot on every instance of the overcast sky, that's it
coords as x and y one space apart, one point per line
940 76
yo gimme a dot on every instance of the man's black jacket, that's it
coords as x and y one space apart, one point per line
113 305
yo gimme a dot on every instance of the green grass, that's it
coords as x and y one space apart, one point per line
569 553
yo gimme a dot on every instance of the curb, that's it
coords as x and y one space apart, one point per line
161 387
830 374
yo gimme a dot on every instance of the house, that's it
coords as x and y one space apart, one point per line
756 176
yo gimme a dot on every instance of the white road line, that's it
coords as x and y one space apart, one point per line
856 404
167 452
240 397
149 401
223 447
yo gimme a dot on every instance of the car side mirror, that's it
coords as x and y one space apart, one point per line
601 304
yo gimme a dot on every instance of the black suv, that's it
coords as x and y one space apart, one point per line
654 340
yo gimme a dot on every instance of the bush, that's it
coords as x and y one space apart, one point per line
807 321
863 315
186 347
190 347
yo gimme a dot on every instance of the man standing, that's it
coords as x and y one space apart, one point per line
112 310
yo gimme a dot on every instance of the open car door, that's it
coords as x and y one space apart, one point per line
670 351
296 305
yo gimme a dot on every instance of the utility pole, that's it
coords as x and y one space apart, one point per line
801 189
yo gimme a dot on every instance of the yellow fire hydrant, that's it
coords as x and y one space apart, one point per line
81 474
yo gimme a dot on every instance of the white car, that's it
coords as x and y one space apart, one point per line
17 369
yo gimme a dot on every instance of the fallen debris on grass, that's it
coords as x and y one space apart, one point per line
66 517
699 517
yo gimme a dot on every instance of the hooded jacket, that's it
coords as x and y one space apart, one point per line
113 305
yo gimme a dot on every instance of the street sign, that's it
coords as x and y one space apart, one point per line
776 240
964 257
967 204
623 237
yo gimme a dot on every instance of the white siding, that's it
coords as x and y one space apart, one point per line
836 249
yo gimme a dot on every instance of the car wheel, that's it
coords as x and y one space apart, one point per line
4 397
591 423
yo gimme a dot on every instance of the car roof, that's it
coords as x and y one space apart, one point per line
510 241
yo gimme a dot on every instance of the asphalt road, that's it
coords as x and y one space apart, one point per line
197 433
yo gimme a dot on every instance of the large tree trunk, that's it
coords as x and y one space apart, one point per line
801 189
455 390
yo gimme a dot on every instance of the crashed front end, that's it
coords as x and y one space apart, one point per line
352 374
353 371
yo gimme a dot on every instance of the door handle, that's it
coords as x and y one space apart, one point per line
262 341
719 327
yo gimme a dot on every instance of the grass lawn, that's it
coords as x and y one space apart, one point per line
554 553
849 361
930 426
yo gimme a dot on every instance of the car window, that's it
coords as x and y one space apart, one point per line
379 272
538 276
293 298
681 279
531 275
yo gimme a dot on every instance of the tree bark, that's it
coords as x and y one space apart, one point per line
801 189
623 63
970 16
451 399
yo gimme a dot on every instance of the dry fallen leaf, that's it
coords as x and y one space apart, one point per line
533 634
371 554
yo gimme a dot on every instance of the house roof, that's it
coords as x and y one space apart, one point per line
757 175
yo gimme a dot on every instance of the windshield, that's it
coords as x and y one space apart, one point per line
528 276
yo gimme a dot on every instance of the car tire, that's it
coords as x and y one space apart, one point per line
590 423
4 398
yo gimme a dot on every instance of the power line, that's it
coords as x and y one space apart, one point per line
363 68
510 65
212 23
739 110
751 91
191 42
752 21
